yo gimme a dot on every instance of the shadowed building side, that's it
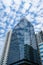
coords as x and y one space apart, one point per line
39 38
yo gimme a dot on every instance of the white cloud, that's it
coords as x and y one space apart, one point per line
40 13
16 4
39 19
3 25
9 27
33 9
7 10
35 2
7 2
4 19
2 31
30 17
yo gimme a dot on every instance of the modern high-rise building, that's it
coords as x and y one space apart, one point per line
21 46
39 37
6 48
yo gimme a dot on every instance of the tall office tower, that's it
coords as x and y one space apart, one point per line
39 37
22 48
6 48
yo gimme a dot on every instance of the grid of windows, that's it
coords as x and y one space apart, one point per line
40 44
41 51
23 43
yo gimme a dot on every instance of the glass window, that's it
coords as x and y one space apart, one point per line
40 44
26 38
41 48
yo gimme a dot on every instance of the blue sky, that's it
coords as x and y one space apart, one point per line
12 10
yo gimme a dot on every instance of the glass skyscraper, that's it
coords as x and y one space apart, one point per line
22 48
6 48
40 45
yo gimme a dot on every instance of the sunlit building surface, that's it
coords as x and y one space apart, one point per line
40 45
6 48
22 48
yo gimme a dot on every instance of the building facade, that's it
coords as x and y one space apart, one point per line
40 45
22 48
6 48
